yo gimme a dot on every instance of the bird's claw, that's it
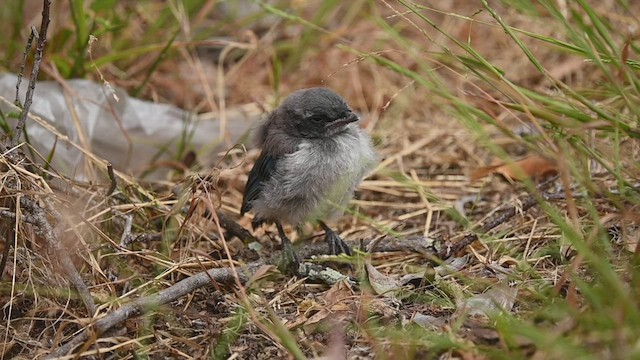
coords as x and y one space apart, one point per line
337 246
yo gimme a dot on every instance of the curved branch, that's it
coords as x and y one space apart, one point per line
144 304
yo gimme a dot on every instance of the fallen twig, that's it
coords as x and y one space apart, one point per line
8 231
142 238
417 244
223 275
56 249
500 218
23 217
234 228
37 216
147 303
126 233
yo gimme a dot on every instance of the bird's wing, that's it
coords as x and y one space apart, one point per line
262 171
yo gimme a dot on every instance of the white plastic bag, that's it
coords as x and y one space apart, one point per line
130 133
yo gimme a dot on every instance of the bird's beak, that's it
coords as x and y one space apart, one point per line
343 121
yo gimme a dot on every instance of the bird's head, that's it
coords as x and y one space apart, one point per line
315 113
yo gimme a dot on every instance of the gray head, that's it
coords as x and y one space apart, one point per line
313 113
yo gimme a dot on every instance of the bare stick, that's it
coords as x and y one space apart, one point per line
234 228
500 218
148 303
42 39
126 233
27 50
219 275
6 214
112 178
140 238
9 238
37 213
56 249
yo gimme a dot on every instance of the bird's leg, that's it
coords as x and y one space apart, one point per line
337 246
289 263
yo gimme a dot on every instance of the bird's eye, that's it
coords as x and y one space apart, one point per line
316 119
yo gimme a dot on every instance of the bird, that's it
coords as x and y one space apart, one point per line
313 156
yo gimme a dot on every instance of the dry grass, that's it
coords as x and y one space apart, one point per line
421 188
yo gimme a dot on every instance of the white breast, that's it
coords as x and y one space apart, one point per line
317 181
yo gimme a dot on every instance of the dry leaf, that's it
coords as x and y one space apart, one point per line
450 266
382 284
533 166
337 346
263 271
631 239
497 299
337 307
430 322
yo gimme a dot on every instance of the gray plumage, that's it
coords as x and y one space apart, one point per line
314 155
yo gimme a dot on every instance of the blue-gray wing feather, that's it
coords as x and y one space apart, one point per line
261 172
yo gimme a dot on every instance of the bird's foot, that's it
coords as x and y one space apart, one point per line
337 246
289 264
